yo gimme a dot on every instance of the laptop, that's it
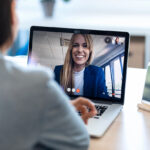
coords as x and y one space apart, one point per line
88 63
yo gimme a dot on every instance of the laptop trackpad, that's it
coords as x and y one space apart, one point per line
97 126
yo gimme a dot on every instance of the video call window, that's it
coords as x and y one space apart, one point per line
103 70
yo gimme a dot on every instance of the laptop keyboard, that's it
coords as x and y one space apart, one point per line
100 109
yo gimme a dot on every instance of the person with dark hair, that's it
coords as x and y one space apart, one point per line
34 111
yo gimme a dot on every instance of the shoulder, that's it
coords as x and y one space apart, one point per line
58 68
93 69
27 75
30 84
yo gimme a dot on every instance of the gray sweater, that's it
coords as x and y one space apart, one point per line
35 110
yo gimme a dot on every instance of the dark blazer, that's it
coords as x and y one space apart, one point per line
94 81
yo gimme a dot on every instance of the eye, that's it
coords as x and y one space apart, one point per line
84 45
75 45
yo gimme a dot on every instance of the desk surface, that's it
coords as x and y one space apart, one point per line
131 129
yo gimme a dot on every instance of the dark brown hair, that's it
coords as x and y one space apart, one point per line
5 21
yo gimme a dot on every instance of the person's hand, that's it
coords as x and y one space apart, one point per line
85 107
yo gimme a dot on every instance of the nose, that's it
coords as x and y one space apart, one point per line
80 49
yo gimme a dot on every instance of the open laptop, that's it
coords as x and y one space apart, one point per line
104 85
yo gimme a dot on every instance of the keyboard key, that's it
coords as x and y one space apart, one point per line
100 109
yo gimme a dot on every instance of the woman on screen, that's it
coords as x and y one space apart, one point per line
77 76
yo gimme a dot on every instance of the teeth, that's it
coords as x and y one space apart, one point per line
79 56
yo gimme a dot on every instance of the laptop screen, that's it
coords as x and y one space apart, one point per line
86 63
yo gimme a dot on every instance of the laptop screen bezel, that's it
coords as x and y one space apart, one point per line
95 32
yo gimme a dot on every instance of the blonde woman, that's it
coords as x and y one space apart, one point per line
77 76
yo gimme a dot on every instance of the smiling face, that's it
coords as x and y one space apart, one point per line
80 52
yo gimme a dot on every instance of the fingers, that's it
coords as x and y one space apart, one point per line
85 107
85 119
86 102
85 115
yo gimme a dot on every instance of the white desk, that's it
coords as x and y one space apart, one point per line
131 130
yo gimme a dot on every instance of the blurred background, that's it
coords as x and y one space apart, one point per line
132 16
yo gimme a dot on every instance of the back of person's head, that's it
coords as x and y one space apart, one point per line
5 21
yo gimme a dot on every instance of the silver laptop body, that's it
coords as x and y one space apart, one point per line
98 125
48 46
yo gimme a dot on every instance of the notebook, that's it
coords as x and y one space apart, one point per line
88 63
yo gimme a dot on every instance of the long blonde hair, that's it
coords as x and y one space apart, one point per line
66 75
